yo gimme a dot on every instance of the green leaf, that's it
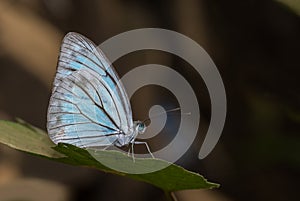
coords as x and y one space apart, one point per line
27 138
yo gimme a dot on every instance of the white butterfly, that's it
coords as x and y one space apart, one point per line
89 106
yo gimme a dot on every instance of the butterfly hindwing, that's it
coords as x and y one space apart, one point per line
89 105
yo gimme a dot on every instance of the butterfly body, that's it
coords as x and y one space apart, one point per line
89 106
129 138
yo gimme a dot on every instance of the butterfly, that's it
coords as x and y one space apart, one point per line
89 106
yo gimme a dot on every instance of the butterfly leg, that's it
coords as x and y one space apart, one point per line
128 153
146 144
132 152
106 147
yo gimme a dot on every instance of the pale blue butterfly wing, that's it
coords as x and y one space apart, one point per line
89 106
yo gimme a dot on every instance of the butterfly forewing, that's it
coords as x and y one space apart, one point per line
89 105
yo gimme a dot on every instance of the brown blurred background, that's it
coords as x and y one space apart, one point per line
255 45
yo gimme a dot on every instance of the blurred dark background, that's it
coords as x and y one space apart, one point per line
255 45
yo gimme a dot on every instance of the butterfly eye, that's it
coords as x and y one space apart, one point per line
141 127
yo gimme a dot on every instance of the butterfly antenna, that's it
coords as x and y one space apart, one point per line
166 112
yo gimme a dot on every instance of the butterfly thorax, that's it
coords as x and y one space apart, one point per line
129 138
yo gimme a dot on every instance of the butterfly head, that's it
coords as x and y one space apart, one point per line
140 127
